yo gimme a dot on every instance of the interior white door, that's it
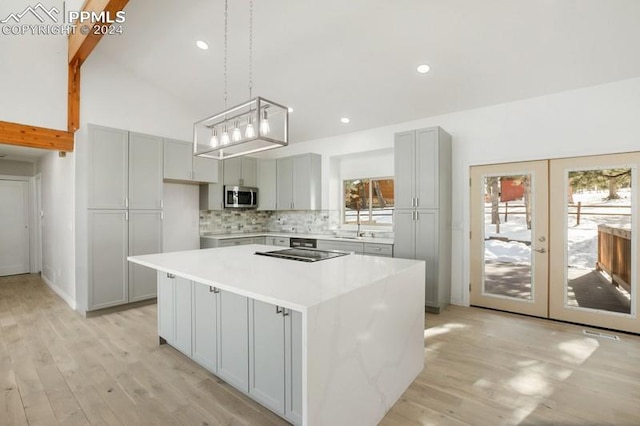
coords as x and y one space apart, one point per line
14 227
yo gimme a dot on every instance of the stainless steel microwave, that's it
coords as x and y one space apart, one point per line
240 197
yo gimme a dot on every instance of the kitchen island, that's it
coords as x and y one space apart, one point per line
334 342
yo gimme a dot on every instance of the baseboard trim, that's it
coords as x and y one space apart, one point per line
71 302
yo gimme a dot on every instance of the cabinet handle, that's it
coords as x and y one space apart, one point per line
278 310
413 202
417 215
161 215
417 202
170 276
162 204
285 312
126 216
213 290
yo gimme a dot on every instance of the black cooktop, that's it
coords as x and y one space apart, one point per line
303 254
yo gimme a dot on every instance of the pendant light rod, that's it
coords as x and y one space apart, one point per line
226 39
250 49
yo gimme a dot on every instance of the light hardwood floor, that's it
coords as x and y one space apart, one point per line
481 367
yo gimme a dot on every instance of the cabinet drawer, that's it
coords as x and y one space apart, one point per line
340 245
259 240
235 242
278 241
378 249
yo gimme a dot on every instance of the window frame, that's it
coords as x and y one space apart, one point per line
368 212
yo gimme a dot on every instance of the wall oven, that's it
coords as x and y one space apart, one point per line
240 197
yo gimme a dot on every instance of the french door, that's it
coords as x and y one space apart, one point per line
558 239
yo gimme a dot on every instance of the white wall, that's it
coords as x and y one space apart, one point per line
58 246
596 120
17 168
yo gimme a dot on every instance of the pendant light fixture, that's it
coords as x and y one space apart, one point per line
256 125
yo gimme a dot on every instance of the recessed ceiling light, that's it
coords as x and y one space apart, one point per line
424 68
345 120
202 45
290 109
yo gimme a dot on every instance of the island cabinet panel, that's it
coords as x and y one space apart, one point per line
233 339
166 307
267 354
183 315
293 367
205 324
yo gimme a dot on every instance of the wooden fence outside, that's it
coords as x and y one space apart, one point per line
614 254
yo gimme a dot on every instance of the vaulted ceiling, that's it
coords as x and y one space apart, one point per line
357 58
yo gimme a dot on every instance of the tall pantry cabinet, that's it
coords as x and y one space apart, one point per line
422 214
124 215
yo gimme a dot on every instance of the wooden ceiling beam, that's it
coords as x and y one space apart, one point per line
35 137
82 42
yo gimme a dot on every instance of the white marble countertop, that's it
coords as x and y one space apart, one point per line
288 283
326 237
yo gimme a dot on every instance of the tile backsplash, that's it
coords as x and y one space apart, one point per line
245 221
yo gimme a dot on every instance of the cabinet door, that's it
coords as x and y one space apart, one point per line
145 237
166 307
404 241
107 252
404 170
267 184
284 183
178 160
233 339
233 171
145 171
266 355
235 242
302 182
249 172
293 367
427 250
204 326
205 170
211 196
183 315
352 246
427 184
108 170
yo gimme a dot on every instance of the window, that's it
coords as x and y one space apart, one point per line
370 200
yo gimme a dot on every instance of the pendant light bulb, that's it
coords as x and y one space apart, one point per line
213 142
225 136
265 129
237 134
250 131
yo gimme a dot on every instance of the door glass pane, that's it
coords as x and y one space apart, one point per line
599 239
508 222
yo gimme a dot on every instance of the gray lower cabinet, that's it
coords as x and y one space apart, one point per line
205 326
254 346
183 311
233 339
166 307
275 358
145 237
355 247
107 252
230 242
112 236
278 241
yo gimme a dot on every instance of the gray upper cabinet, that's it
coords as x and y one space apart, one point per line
205 169
233 339
107 253
145 237
422 216
284 183
178 160
108 168
299 182
212 196
145 172
181 165
241 171
267 196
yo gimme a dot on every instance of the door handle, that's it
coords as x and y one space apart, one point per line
542 250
